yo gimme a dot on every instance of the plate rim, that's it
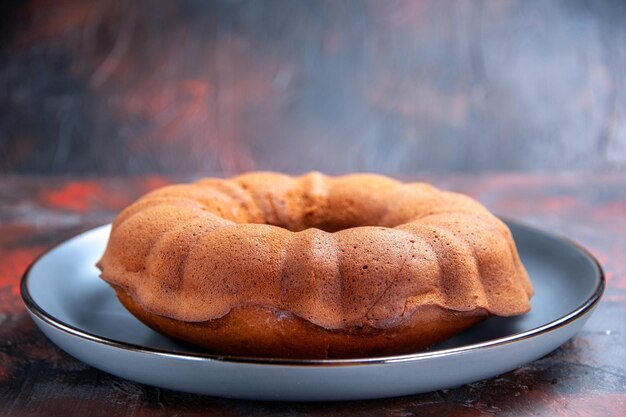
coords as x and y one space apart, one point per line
577 313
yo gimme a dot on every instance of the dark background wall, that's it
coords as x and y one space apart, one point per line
119 87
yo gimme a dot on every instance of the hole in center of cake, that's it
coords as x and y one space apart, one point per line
327 225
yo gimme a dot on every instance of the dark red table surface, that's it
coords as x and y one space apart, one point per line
584 377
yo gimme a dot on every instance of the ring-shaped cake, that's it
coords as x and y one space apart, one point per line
270 265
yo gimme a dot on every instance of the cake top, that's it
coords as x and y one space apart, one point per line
351 251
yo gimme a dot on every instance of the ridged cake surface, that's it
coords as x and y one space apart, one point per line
340 254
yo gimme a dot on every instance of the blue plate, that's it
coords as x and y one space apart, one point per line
80 313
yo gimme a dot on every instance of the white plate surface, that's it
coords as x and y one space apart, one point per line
80 313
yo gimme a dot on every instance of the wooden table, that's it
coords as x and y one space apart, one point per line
586 376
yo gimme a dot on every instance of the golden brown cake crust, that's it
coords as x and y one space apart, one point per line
348 260
256 331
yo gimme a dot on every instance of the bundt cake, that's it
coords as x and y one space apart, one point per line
269 265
